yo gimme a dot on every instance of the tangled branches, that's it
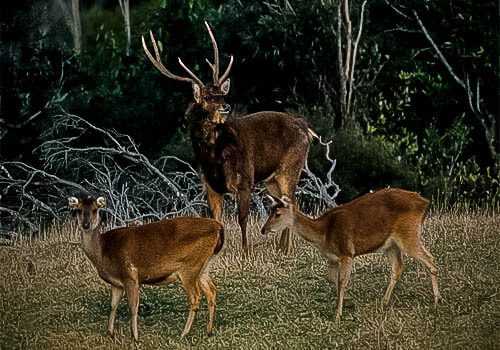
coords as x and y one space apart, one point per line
107 163
112 166
313 186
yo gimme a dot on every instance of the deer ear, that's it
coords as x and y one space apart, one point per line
101 202
197 92
73 202
273 201
225 86
277 201
286 201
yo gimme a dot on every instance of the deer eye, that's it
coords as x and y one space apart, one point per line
208 98
277 214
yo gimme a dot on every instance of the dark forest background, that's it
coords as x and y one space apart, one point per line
423 106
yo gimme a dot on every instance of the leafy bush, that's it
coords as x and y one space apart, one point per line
367 162
475 185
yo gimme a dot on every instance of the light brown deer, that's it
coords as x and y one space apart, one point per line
236 153
156 253
389 220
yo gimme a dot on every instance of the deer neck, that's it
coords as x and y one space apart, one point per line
312 230
200 120
205 135
91 244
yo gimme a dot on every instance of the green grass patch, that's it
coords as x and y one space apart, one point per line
51 296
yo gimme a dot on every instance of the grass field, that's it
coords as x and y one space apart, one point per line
51 297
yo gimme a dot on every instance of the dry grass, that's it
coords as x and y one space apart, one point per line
51 297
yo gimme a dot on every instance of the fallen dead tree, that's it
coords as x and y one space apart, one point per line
83 159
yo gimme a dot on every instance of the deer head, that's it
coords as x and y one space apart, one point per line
209 97
87 211
281 215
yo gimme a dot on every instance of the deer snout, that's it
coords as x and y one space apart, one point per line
265 230
86 225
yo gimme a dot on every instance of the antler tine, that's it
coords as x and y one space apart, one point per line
226 73
215 65
195 78
159 65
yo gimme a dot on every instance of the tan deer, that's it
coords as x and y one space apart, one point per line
156 253
234 154
389 220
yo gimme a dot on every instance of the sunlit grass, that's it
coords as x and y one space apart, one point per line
51 297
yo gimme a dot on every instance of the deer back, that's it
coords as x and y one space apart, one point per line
366 223
157 250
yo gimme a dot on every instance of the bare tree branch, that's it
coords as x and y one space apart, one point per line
438 51
355 51
487 121
137 189
313 186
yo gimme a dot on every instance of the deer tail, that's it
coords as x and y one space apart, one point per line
315 138
220 241
312 135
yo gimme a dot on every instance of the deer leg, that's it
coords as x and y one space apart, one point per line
273 188
215 202
116 294
428 261
132 290
287 179
345 268
420 253
395 256
333 272
332 277
243 210
287 189
210 292
192 288
287 185
284 245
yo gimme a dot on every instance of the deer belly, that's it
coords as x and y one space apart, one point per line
159 279
109 278
372 244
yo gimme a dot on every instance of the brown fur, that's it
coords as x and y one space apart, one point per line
236 153
156 253
390 220
234 156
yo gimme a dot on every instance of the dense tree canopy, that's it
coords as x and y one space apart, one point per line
416 125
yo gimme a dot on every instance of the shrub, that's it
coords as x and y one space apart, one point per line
367 162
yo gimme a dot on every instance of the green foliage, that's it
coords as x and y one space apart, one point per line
284 45
473 184
32 73
368 162
439 155
420 132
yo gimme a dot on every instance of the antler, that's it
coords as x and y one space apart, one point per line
215 65
159 65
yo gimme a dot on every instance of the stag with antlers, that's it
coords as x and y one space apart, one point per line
236 153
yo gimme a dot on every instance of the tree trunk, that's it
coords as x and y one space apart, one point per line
125 7
77 29
347 67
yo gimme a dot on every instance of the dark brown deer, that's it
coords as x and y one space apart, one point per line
236 153
156 253
390 220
